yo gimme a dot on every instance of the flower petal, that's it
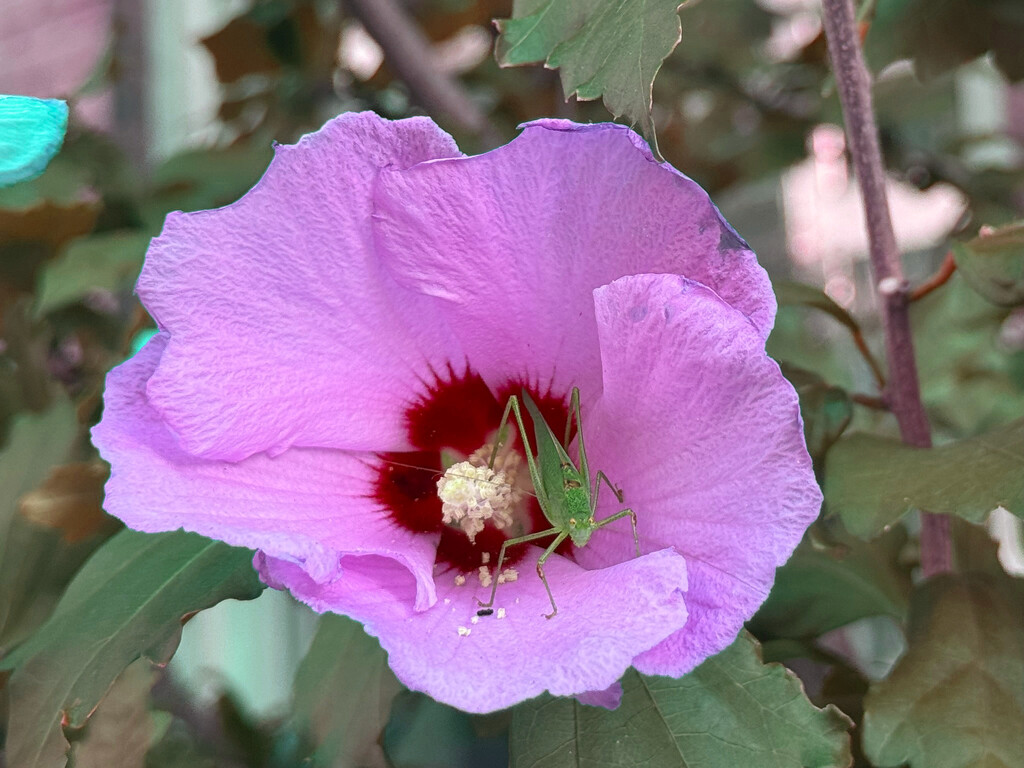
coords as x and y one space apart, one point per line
533 227
284 328
604 619
702 433
308 506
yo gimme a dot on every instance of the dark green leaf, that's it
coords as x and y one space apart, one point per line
423 733
732 710
802 295
956 699
208 178
993 264
826 409
343 694
942 34
109 261
826 586
37 556
967 373
37 443
603 48
871 482
127 601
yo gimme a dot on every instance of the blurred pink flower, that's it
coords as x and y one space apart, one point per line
50 48
373 301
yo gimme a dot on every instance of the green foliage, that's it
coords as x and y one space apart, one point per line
956 700
942 34
732 710
871 482
734 115
110 262
993 264
826 410
208 178
829 584
971 380
343 695
39 551
129 600
602 48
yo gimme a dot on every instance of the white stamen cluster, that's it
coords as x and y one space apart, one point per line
471 494
484 574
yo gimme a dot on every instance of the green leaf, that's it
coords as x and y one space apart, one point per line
208 178
970 380
39 552
826 586
603 48
423 733
956 699
792 294
109 261
871 482
343 694
37 443
127 601
803 295
826 409
732 710
993 264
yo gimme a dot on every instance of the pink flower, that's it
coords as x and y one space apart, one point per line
372 302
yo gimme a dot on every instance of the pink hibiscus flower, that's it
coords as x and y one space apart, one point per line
332 340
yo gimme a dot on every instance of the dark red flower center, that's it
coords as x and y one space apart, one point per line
458 414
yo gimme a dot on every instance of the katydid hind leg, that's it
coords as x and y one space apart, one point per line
512 406
501 428
597 487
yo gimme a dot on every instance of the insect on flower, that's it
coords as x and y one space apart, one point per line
563 490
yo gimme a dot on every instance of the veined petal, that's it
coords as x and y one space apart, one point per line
703 434
530 229
606 617
311 507
284 327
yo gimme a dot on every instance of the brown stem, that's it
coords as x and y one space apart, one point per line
940 278
130 126
903 391
408 52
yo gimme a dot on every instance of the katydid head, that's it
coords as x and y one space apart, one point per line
579 521
580 530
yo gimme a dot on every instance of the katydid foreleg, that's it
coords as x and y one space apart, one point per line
618 495
617 516
501 558
540 570
597 486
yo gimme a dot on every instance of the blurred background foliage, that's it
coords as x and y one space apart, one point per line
165 118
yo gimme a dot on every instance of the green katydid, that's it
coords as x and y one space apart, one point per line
563 489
